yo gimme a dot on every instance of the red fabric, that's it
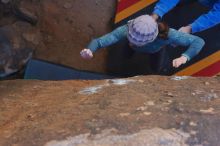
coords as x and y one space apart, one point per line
123 4
209 71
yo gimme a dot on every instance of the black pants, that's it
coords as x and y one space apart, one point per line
160 62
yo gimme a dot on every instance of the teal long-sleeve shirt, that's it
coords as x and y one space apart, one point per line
204 22
194 43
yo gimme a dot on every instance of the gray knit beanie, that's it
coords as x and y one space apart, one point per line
142 30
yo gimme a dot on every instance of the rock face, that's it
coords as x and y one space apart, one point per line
64 28
152 137
18 38
149 110
17 44
68 26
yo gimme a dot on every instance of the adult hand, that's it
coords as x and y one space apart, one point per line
179 61
186 29
155 16
86 54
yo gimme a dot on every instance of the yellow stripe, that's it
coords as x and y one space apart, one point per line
133 9
200 65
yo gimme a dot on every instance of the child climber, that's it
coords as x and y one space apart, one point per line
145 35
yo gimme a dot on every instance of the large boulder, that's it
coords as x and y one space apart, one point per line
17 44
153 110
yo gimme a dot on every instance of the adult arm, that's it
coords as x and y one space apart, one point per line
208 20
163 6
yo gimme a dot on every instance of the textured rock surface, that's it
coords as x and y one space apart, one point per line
161 110
64 28
152 137
17 43
68 26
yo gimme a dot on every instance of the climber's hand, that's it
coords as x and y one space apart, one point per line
155 17
186 29
179 61
86 54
